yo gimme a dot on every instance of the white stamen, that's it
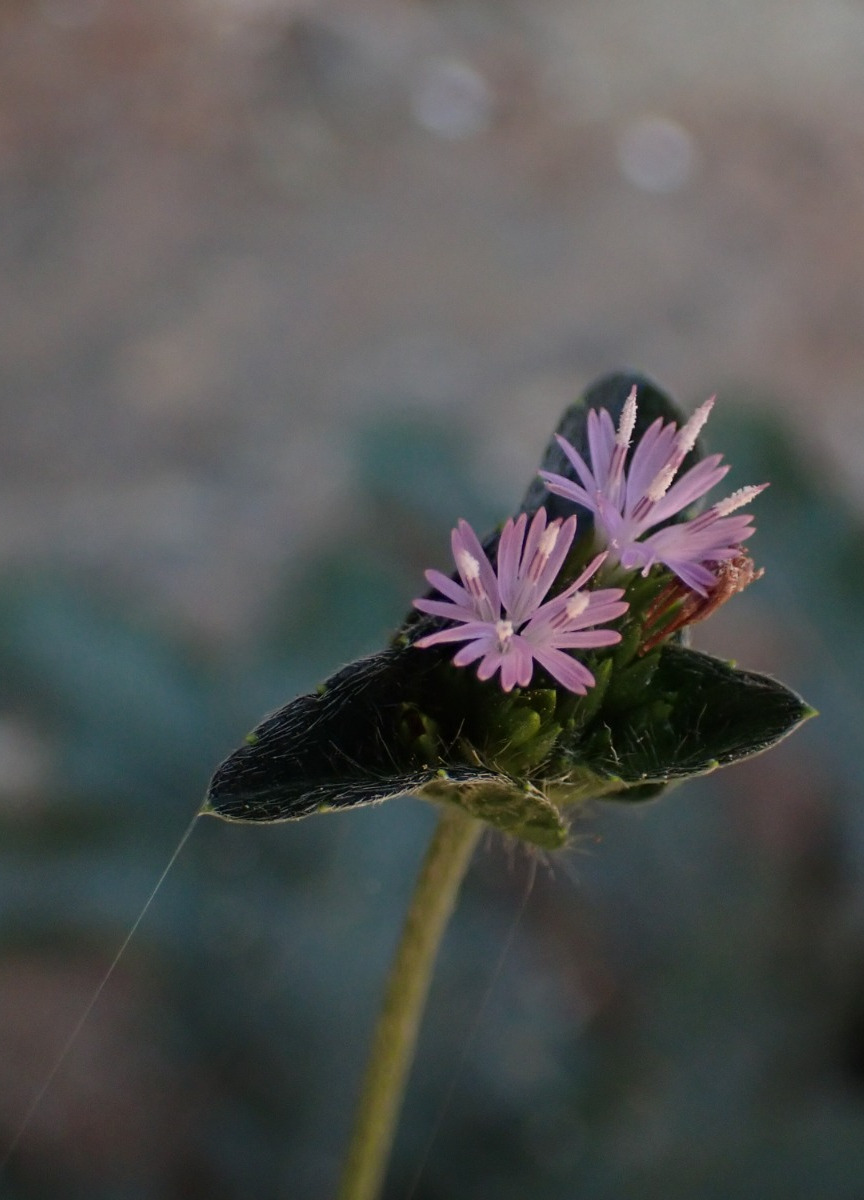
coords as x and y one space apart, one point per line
468 565
685 440
503 632
687 434
738 499
548 540
628 420
576 605
662 482
544 548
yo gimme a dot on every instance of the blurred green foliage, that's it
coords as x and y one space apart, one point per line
681 1013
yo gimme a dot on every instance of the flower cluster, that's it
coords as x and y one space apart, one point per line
502 613
627 503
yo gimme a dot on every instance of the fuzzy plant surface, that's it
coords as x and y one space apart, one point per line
571 678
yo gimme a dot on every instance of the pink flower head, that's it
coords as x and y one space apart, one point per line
502 615
629 501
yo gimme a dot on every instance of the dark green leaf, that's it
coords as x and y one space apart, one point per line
332 749
699 714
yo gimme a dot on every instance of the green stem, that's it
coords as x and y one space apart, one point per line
395 1035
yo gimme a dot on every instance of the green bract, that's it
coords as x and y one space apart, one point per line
408 720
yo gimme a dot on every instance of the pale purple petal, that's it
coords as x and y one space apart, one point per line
604 596
694 575
547 626
560 485
599 614
569 672
509 554
465 539
689 488
489 664
526 661
449 587
649 458
554 606
535 532
601 443
624 515
584 639
516 666
535 578
695 541
591 570
733 529
579 465
470 653
459 633
443 608
555 561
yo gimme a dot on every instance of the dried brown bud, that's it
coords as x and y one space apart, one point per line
732 577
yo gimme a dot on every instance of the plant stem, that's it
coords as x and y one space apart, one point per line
395 1035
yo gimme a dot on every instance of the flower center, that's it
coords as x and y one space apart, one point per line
504 634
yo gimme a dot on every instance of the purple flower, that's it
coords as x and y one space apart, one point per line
501 616
629 501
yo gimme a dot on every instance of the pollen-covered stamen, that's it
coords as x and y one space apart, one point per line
660 484
574 608
685 440
738 499
623 436
544 548
689 432
576 605
731 504
628 421
469 568
504 633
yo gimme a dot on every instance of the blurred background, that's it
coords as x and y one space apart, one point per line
287 288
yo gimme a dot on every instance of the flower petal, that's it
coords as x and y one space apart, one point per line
473 651
449 587
442 608
517 666
464 539
509 555
489 664
601 443
459 633
694 575
585 639
560 485
689 488
552 607
649 457
578 464
554 563
650 497
569 672
598 614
